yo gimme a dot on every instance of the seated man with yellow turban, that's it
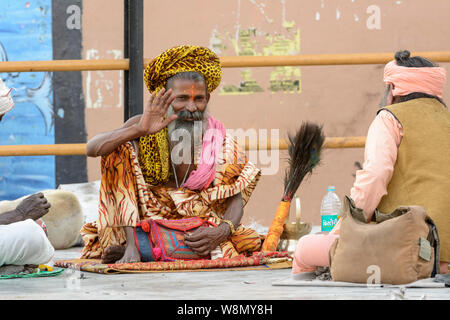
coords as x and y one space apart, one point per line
144 176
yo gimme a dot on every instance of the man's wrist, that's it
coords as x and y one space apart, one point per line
137 131
19 214
227 226
11 217
225 229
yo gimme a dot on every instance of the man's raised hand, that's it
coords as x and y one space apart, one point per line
152 119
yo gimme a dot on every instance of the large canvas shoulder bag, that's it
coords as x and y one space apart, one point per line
396 248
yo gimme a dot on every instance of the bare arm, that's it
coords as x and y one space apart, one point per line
105 143
32 207
151 121
234 212
383 140
10 217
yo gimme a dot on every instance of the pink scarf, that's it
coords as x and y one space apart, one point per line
206 170
407 80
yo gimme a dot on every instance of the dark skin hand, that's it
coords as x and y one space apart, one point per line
205 239
32 207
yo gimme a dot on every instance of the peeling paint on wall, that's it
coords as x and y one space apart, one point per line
100 89
253 42
285 79
247 86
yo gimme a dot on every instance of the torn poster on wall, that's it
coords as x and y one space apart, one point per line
254 42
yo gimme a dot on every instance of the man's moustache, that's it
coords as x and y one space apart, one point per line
185 115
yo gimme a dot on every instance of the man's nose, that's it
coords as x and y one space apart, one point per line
191 107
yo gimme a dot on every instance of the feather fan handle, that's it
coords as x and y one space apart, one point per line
276 227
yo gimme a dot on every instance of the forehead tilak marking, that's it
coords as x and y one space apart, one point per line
192 92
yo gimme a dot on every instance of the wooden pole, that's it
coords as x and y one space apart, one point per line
44 150
330 143
227 62
80 148
344 142
323 59
63 65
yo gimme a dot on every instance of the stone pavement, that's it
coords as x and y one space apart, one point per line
225 285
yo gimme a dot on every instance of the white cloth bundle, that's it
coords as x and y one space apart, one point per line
6 102
23 243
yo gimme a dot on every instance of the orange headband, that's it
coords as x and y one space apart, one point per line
429 80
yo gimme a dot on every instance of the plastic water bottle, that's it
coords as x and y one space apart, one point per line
330 210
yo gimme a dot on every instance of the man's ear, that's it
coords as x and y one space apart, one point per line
390 97
208 95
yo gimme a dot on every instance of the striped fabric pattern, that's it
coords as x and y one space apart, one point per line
171 243
263 259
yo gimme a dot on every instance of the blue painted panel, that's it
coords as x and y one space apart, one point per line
26 34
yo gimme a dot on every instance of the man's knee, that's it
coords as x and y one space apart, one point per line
36 239
303 246
25 242
246 239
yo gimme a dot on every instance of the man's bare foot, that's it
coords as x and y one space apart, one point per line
16 269
131 255
113 253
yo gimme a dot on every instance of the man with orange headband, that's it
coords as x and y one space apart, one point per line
143 176
407 157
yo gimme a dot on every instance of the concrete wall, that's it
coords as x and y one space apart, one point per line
342 98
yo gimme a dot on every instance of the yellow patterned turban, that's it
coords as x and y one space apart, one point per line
183 59
154 148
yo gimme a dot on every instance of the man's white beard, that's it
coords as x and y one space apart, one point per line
185 138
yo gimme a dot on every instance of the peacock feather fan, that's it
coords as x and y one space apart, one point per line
304 151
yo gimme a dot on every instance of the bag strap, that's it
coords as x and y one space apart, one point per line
378 217
350 209
433 238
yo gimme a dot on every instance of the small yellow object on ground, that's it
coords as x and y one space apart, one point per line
43 267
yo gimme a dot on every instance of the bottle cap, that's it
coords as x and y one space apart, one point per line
331 188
